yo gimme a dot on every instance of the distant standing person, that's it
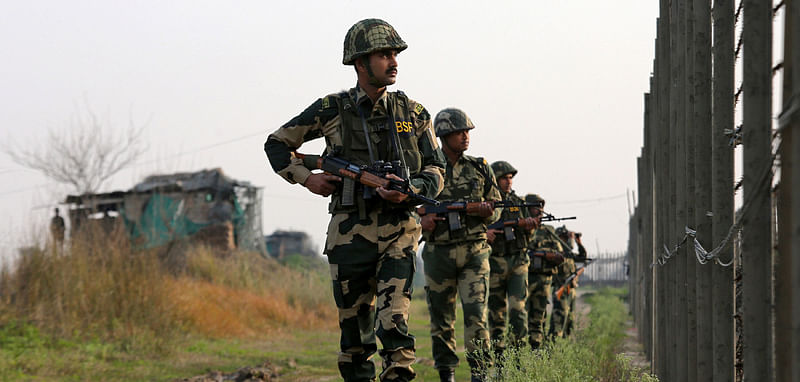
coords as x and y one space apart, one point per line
57 228
456 254
508 285
562 311
373 232
546 253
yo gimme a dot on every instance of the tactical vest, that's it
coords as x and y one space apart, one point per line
501 245
462 188
544 239
393 131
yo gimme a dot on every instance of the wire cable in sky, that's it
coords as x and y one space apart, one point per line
202 148
196 150
595 200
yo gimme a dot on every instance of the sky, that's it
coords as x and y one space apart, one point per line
554 87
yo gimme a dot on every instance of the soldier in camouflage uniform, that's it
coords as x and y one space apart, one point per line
372 235
545 251
508 284
563 307
580 257
457 260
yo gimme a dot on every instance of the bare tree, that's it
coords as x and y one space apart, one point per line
85 154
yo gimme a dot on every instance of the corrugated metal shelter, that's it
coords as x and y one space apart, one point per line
204 206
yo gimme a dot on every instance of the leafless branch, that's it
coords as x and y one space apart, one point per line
85 153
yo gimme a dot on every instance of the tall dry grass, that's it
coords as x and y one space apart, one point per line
95 287
245 294
99 287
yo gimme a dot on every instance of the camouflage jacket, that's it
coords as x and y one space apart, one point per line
544 239
501 245
568 266
468 179
394 128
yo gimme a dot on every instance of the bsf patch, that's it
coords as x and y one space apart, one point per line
326 103
404 127
419 109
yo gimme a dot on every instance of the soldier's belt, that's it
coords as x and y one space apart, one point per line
545 253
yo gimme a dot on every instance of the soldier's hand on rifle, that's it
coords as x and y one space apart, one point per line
321 184
491 234
428 222
529 224
391 195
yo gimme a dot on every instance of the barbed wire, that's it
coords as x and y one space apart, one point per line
703 256
738 12
778 7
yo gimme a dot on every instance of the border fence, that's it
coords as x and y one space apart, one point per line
606 268
715 283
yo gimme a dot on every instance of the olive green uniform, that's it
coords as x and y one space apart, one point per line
508 284
562 308
540 278
371 243
457 263
563 316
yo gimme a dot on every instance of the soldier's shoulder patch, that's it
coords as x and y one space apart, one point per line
419 108
331 101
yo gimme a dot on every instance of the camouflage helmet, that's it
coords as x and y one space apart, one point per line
562 231
534 198
451 120
370 35
502 167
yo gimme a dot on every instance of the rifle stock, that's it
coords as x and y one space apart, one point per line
566 286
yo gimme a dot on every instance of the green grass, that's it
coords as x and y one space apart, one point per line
592 355
94 321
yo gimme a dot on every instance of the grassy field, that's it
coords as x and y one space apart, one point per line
108 313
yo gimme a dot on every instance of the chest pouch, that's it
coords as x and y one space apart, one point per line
509 233
536 262
454 220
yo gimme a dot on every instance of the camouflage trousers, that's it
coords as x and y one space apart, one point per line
538 291
373 298
508 291
461 269
562 314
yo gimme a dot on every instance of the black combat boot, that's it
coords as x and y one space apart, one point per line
447 375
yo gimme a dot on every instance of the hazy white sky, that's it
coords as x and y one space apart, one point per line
554 87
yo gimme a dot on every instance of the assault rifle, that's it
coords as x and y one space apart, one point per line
371 176
452 209
567 283
546 217
507 227
549 256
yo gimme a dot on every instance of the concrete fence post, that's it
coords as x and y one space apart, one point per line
756 231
